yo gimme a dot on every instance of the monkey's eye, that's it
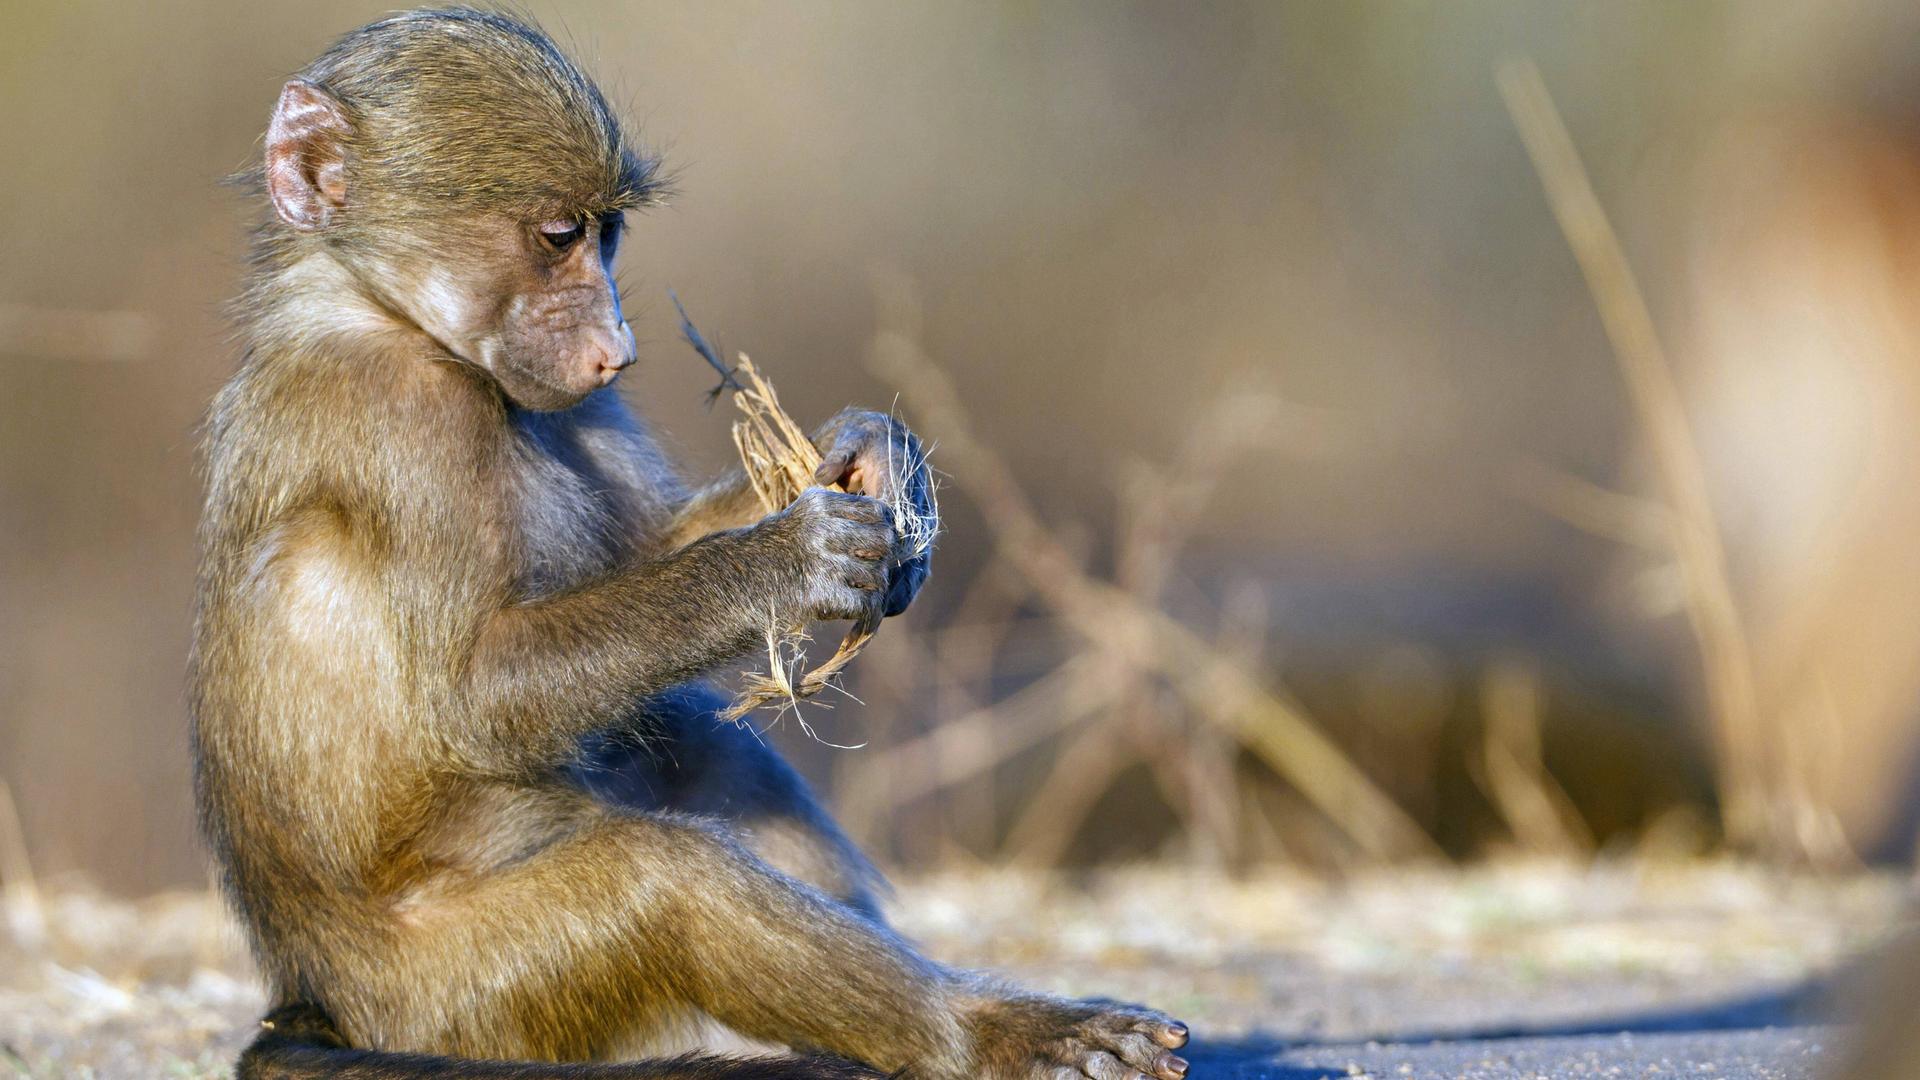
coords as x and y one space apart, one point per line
561 235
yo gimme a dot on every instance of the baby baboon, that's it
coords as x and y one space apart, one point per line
466 794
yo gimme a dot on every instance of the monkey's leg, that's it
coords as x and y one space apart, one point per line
681 756
635 920
638 920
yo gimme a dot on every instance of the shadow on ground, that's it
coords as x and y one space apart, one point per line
1788 1009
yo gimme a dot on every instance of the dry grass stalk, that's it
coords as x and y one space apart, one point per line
1585 505
779 458
1513 769
949 672
1137 637
19 891
1747 754
780 462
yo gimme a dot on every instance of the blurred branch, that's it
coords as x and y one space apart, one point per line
1513 766
957 750
1163 507
1141 637
1081 772
729 380
19 891
1585 505
1742 734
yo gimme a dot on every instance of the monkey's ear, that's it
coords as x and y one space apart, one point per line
306 155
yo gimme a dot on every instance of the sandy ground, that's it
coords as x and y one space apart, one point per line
1514 971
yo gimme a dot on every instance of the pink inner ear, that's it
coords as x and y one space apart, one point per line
306 174
331 181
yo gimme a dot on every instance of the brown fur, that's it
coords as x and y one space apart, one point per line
462 791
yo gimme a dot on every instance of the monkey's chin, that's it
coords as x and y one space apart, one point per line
528 391
554 400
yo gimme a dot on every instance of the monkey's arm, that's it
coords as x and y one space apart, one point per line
728 502
544 673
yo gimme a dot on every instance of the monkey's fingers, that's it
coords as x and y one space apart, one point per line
834 469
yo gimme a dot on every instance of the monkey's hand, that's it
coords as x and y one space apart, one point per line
873 454
831 552
1026 1036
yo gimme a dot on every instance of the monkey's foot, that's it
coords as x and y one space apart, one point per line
1031 1037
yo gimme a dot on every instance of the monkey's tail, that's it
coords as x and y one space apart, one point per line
298 1042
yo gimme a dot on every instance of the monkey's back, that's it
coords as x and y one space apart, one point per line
312 610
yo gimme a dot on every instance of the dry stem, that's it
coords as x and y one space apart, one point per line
1748 787
780 462
1513 769
1142 637
19 892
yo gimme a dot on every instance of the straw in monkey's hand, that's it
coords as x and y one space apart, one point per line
780 463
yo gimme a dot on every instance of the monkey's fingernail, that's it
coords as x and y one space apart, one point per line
1177 1066
1177 1031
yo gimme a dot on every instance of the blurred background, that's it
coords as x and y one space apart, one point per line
1300 509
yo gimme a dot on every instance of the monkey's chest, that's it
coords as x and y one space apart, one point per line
568 527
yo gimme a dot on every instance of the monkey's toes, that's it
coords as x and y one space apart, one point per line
1142 1039
1101 1065
1166 1066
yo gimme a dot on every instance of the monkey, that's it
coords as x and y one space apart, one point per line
456 758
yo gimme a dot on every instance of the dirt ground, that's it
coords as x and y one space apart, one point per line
1523 970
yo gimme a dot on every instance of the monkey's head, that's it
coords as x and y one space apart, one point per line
474 182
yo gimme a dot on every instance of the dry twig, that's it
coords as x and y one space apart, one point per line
1747 758
1513 769
19 890
780 461
1143 638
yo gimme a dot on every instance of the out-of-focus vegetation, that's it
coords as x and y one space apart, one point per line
1303 504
